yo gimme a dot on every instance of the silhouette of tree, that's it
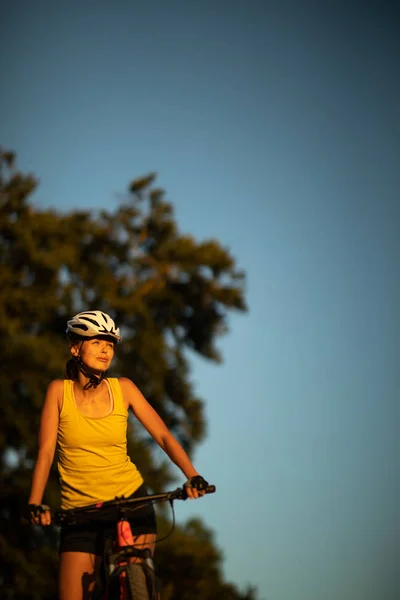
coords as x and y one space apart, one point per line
170 296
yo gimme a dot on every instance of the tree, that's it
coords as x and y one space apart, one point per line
170 295
189 566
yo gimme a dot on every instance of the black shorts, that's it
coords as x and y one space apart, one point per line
90 537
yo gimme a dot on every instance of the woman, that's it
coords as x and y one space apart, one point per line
86 416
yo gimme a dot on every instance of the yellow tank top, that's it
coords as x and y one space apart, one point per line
92 457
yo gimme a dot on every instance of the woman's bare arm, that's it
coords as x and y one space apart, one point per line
47 440
156 427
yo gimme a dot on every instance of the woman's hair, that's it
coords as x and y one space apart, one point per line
72 369
72 366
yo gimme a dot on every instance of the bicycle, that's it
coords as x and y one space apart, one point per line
124 579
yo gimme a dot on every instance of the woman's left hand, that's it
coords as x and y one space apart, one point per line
196 487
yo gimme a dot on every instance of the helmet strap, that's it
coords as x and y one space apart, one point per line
94 378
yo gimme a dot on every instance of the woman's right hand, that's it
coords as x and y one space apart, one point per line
39 514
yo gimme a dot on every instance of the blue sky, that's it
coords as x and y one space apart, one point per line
275 130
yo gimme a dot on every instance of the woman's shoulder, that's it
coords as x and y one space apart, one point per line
128 388
55 386
126 383
55 391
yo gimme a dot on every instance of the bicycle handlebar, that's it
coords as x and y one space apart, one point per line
180 493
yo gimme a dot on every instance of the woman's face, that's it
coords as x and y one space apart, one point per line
96 353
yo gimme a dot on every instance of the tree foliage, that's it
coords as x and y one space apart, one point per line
171 296
189 566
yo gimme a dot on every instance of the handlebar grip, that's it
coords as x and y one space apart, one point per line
181 493
26 521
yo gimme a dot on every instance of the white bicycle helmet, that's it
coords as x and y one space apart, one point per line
91 323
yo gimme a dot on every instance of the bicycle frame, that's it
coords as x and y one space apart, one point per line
124 553
118 561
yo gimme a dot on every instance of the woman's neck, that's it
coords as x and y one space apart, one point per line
87 392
